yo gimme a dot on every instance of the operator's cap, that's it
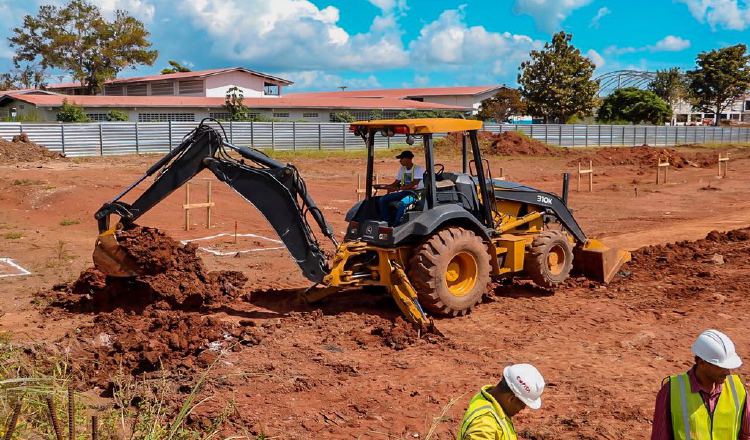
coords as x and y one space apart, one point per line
405 154
526 382
716 348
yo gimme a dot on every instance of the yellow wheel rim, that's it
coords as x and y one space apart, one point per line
461 274
556 260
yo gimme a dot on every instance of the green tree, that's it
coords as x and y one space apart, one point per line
117 116
722 76
76 38
233 102
70 112
175 67
343 117
31 76
375 114
556 82
671 86
634 105
506 103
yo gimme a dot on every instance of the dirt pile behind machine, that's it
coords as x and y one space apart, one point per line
459 231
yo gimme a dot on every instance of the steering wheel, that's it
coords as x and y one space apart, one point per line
439 169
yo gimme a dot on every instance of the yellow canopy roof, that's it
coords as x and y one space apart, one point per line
423 126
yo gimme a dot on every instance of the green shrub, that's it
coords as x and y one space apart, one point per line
117 116
71 113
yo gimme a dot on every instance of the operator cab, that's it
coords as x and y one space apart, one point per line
446 197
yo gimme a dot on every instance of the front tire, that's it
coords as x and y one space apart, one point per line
549 260
450 271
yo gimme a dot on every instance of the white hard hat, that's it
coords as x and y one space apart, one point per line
526 382
716 348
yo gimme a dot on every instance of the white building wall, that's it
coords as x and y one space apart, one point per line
251 85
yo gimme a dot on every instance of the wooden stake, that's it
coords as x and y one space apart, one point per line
725 170
590 172
659 166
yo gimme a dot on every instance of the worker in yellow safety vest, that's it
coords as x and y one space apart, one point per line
488 416
707 401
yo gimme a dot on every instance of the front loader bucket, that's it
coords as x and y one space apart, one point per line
110 258
597 261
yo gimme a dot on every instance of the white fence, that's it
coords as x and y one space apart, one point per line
113 138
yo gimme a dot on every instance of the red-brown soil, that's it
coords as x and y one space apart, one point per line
646 156
335 369
21 149
509 143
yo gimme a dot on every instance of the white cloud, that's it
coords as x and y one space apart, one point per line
295 34
601 13
140 9
450 42
729 14
421 80
596 58
390 5
319 80
671 43
548 14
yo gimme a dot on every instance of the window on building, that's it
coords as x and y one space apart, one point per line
271 89
390 114
723 116
223 116
163 88
191 87
734 116
113 90
253 115
281 115
137 90
97 117
166 117
747 106
309 115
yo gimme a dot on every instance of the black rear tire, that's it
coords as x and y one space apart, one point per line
450 271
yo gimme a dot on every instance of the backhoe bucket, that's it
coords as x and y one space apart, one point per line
597 261
110 258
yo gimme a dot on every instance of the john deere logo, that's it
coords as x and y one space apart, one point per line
368 230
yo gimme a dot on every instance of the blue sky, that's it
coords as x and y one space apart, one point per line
322 44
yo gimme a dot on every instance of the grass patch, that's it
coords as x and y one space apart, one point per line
69 222
12 235
139 409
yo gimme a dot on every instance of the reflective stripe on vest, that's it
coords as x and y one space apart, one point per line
480 406
691 419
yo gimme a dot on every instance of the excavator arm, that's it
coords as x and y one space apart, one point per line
275 189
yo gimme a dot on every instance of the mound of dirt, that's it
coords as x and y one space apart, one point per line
397 335
171 273
509 143
512 143
644 156
21 149
686 268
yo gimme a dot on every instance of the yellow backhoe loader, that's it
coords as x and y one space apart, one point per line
460 230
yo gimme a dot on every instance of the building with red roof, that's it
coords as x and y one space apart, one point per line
192 96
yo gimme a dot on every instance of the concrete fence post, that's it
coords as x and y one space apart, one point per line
343 135
586 134
252 134
611 134
62 137
170 135
559 135
294 136
101 141
532 131
273 137
546 130
231 132
320 136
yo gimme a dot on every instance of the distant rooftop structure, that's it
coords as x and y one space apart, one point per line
609 82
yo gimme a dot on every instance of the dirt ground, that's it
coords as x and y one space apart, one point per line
348 367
